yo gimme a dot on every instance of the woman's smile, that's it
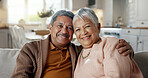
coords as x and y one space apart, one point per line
86 37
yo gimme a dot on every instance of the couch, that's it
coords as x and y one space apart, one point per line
8 60
141 59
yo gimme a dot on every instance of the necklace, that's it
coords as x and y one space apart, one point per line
86 55
89 51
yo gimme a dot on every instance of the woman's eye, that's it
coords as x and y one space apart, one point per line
87 26
77 30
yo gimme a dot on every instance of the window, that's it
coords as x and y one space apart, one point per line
27 10
16 10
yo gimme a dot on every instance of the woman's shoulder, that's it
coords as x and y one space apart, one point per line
110 40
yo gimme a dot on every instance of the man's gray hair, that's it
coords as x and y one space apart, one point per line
88 13
61 13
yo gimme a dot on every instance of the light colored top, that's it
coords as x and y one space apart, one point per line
58 64
104 61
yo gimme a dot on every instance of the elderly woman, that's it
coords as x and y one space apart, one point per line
99 57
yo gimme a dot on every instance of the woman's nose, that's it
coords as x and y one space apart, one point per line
83 31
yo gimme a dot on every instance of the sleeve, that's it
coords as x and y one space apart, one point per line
115 64
25 63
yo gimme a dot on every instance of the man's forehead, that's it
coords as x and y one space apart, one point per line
63 19
61 23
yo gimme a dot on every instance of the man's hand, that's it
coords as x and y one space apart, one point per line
124 48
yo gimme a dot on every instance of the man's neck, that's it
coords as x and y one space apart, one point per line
59 46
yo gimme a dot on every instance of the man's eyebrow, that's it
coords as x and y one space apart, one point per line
68 25
60 23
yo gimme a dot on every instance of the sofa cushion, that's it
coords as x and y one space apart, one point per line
7 62
141 59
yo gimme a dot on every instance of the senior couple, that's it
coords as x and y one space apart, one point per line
57 57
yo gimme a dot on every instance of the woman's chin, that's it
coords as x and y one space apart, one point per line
87 46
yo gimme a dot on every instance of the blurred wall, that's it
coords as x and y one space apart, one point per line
3 11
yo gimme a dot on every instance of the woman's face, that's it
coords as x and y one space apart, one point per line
86 32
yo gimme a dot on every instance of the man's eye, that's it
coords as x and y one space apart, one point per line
70 27
59 26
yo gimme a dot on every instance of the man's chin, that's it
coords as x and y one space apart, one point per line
64 41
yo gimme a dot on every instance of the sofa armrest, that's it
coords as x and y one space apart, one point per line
141 59
7 61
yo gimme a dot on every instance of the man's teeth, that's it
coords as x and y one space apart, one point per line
63 36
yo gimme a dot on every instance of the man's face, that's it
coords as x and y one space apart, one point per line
61 31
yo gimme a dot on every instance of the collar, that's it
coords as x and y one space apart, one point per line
52 47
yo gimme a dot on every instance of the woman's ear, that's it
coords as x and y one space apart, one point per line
98 26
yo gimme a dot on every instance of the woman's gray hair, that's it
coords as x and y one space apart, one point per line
61 13
88 13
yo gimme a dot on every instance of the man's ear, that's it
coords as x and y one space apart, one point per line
50 26
98 26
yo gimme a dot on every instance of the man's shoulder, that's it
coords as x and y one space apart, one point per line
36 43
31 47
76 46
32 44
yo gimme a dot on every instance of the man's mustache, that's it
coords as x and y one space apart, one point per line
65 35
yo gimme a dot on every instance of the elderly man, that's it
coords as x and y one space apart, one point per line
54 57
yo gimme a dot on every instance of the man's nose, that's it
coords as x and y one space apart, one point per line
64 30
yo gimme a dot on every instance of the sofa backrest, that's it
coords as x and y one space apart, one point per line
7 62
141 59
